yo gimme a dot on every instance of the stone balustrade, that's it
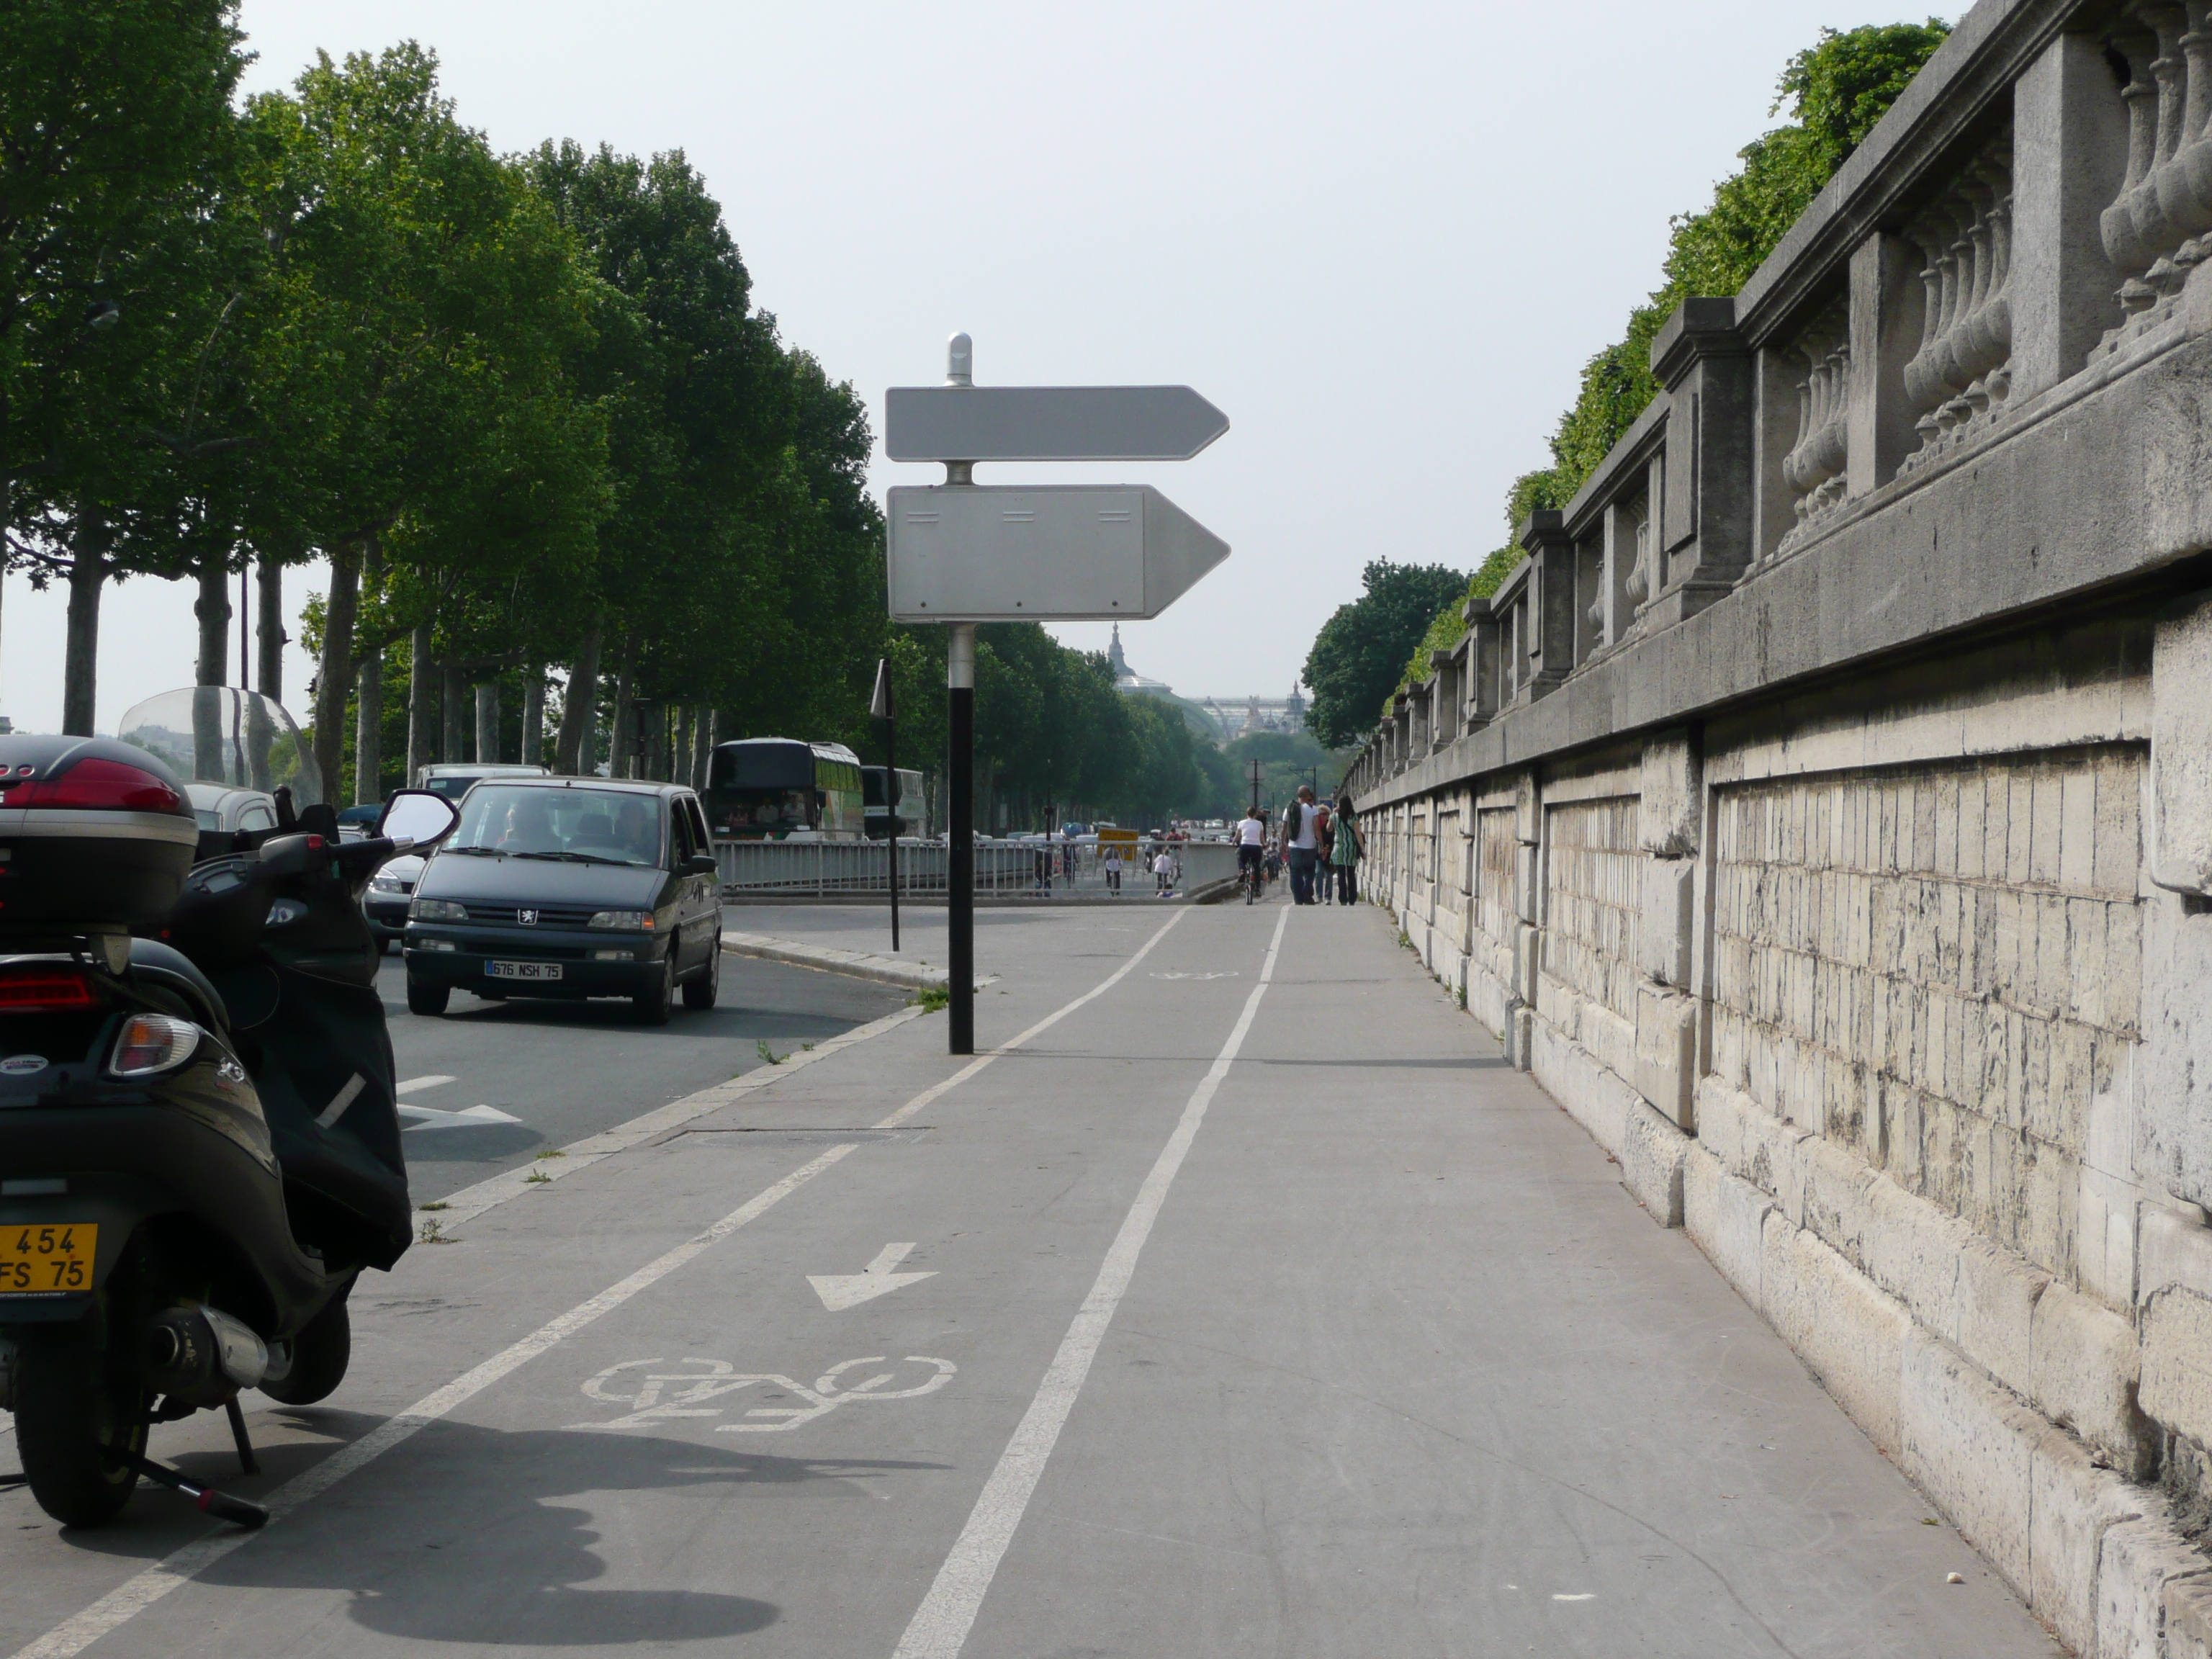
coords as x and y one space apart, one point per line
1822 808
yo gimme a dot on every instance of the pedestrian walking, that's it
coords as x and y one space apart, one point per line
1043 865
1164 870
1298 842
1346 851
1113 863
1324 839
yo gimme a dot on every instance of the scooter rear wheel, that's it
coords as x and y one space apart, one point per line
320 1354
71 1409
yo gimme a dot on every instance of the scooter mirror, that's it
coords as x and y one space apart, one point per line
419 816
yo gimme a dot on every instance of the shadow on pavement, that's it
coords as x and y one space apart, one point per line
456 1537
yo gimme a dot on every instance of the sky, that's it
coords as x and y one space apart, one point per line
1383 239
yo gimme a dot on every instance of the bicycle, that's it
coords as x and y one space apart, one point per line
1251 874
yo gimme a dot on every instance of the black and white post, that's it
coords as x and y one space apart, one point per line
960 841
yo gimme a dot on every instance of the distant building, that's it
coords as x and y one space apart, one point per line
1225 721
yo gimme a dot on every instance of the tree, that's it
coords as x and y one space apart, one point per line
1358 654
115 123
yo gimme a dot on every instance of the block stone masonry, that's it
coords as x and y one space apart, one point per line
1822 811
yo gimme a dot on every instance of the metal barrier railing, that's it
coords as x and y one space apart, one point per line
822 868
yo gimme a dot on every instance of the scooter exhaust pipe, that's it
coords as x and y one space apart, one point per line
203 1356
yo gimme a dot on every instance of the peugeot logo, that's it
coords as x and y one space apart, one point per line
527 917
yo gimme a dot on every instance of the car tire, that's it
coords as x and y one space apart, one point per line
654 1006
428 999
704 987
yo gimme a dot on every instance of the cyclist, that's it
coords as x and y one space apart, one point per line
1251 854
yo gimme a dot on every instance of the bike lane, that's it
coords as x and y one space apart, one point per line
845 1444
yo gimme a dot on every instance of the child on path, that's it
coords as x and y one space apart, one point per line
1164 870
1113 867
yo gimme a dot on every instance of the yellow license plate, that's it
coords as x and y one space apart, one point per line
43 1259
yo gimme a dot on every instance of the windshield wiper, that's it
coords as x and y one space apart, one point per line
476 852
579 858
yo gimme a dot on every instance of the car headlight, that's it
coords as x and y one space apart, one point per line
386 884
634 919
152 1042
436 910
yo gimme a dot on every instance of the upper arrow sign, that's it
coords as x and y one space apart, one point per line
842 1290
1048 422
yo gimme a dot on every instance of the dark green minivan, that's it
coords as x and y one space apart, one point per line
569 888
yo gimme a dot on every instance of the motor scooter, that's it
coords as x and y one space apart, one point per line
200 1144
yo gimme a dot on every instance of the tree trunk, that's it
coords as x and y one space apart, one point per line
271 635
213 609
334 674
455 691
422 692
368 731
681 757
533 714
579 711
704 747
488 723
623 740
81 663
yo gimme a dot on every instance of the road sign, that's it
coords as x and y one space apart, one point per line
1048 422
1044 553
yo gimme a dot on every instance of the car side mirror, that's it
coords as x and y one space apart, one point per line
418 816
699 864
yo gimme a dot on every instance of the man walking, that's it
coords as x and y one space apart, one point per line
1301 843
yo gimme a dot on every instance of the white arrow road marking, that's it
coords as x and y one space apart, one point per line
469 1117
415 1083
842 1290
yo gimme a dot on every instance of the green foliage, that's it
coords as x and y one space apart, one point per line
1837 89
1357 657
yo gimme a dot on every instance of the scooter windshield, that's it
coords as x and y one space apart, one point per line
227 736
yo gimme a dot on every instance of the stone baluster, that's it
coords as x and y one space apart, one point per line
1961 377
2183 179
2124 244
1817 463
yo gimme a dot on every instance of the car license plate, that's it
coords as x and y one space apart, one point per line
41 1260
522 970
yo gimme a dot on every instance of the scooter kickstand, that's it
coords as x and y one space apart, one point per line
221 1506
247 1462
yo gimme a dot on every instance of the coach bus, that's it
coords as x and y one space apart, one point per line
876 790
783 789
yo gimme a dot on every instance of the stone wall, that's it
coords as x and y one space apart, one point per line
1822 811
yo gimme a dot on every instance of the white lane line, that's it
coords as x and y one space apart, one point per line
1051 1019
469 1202
127 1600
939 1627
135 1595
415 1083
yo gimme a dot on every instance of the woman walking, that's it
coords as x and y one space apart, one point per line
1346 852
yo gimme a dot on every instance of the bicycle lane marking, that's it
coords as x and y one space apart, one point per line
180 1566
939 1627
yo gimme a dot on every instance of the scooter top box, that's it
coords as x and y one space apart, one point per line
94 834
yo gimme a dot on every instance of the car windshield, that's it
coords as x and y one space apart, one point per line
588 826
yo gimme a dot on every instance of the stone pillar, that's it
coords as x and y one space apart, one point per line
1551 601
1443 699
1483 696
1528 908
1886 305
1706 516
1670 817
2069 156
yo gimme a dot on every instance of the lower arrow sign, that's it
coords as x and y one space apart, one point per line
841 1291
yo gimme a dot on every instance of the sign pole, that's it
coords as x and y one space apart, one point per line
960 848
885 708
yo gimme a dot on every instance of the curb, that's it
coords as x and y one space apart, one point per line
857 964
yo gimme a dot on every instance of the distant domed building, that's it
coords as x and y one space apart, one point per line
1223 722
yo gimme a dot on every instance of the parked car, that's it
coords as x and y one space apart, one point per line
569 888
359 822
391 890
453 777
220 809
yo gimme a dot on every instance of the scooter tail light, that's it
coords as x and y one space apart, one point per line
153 1042
47 991
103 784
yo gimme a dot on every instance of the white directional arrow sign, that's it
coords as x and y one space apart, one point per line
1068 552
841 1291
469 1117
1048 422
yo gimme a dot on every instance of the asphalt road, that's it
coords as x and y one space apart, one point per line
1210 1319
564 1070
